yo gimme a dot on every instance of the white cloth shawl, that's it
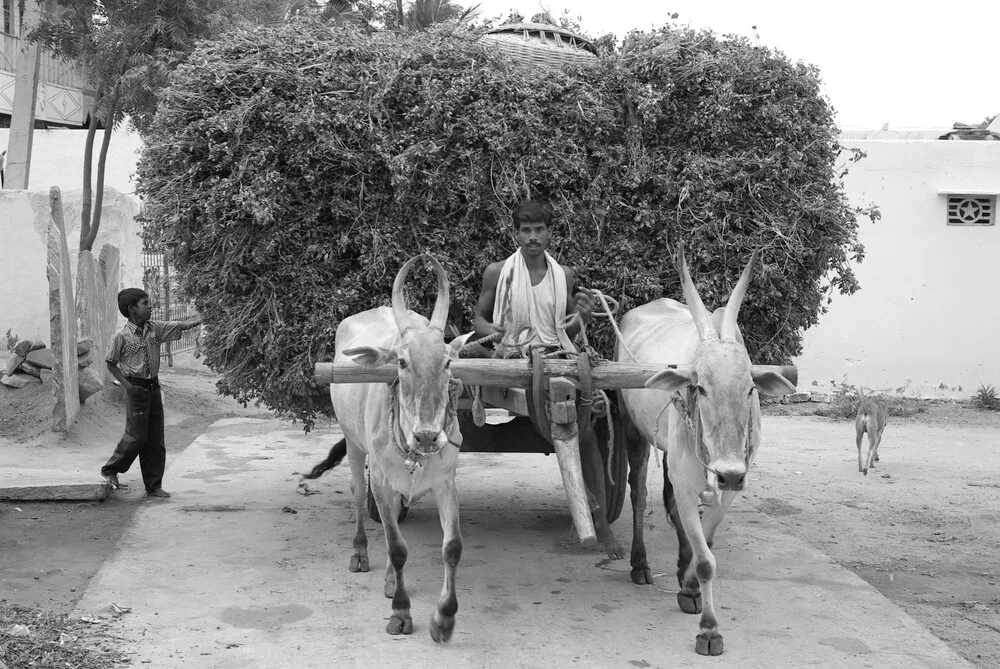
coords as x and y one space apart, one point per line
514 285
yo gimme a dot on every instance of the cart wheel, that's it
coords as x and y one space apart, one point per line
373 507
616 485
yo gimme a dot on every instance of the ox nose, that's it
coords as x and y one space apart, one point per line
425 440
732 479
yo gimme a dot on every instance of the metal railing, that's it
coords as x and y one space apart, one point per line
169 302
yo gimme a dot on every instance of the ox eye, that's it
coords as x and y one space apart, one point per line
447 363
402 364
701 391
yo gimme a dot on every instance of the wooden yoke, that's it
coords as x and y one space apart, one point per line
517 372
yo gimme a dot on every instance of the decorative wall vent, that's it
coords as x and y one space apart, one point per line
972 209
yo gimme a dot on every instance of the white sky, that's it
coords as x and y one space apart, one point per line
911 65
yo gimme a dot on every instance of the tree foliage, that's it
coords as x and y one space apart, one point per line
291 171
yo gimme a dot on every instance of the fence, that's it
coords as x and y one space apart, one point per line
169 302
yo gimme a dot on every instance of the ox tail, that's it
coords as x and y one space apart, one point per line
861 394
336 454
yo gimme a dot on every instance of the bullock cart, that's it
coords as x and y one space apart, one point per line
540 393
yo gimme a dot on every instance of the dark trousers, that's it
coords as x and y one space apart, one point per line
143 437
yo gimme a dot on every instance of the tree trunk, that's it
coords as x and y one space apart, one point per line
399 9
88 158
87 244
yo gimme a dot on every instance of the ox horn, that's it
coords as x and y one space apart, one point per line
728 329
439 317
702 319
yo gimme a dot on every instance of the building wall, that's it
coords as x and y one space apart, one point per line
924 321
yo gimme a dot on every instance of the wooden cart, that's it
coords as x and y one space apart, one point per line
541 396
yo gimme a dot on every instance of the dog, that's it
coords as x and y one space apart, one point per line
872 417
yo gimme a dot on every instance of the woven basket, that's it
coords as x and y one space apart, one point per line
534 43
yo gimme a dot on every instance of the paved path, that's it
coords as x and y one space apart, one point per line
240 570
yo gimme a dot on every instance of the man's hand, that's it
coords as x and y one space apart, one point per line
584 301
192 324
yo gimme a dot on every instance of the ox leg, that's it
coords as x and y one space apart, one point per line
689 599
714 513
389 503
443 620
860 433
593 477
701 568
359 488
638 466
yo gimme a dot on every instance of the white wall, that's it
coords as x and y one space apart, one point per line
925 321
57 160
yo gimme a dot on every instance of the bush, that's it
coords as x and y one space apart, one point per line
289 172
986 398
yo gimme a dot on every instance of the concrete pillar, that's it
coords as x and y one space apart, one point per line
22 120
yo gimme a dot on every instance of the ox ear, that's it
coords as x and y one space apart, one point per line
371 356
670 380
458 343
772 383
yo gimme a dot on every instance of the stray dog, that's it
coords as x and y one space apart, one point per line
872 417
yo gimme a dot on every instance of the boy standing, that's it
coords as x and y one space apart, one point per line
134 359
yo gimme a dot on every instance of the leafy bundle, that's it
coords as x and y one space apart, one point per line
291 171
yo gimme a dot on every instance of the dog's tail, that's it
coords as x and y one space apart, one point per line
336 454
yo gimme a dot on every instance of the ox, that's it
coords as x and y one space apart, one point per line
705 417
409 433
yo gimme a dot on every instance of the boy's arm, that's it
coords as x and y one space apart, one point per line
483 319
130 388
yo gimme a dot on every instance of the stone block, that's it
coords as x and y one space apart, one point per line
90 383
13 363
29 368
14 380
795 398
821 398
22 348
85 360
41 358
38 346
84 345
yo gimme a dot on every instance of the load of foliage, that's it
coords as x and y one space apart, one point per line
290 172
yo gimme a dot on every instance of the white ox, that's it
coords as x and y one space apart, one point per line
705 417
408 432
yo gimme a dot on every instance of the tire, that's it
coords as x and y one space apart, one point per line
615 485
373 507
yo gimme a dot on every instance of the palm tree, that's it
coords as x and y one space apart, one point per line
422 14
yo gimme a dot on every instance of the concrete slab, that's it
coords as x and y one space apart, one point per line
240 569
46 485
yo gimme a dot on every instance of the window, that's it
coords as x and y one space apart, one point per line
972 209
7 23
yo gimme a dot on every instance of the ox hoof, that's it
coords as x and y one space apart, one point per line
690 602
359 562
441 629
400 623
708 643
642 575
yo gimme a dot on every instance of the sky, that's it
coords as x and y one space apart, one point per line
908 65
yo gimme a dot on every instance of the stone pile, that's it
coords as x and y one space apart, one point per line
32 359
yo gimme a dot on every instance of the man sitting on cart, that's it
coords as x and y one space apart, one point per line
529 300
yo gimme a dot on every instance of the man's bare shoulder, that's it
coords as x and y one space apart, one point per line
493 269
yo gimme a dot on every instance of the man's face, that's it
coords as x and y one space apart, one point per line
533 238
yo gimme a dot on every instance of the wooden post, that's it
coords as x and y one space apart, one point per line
565 439
22 118
166 304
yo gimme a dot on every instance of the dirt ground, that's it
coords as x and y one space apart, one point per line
923 528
